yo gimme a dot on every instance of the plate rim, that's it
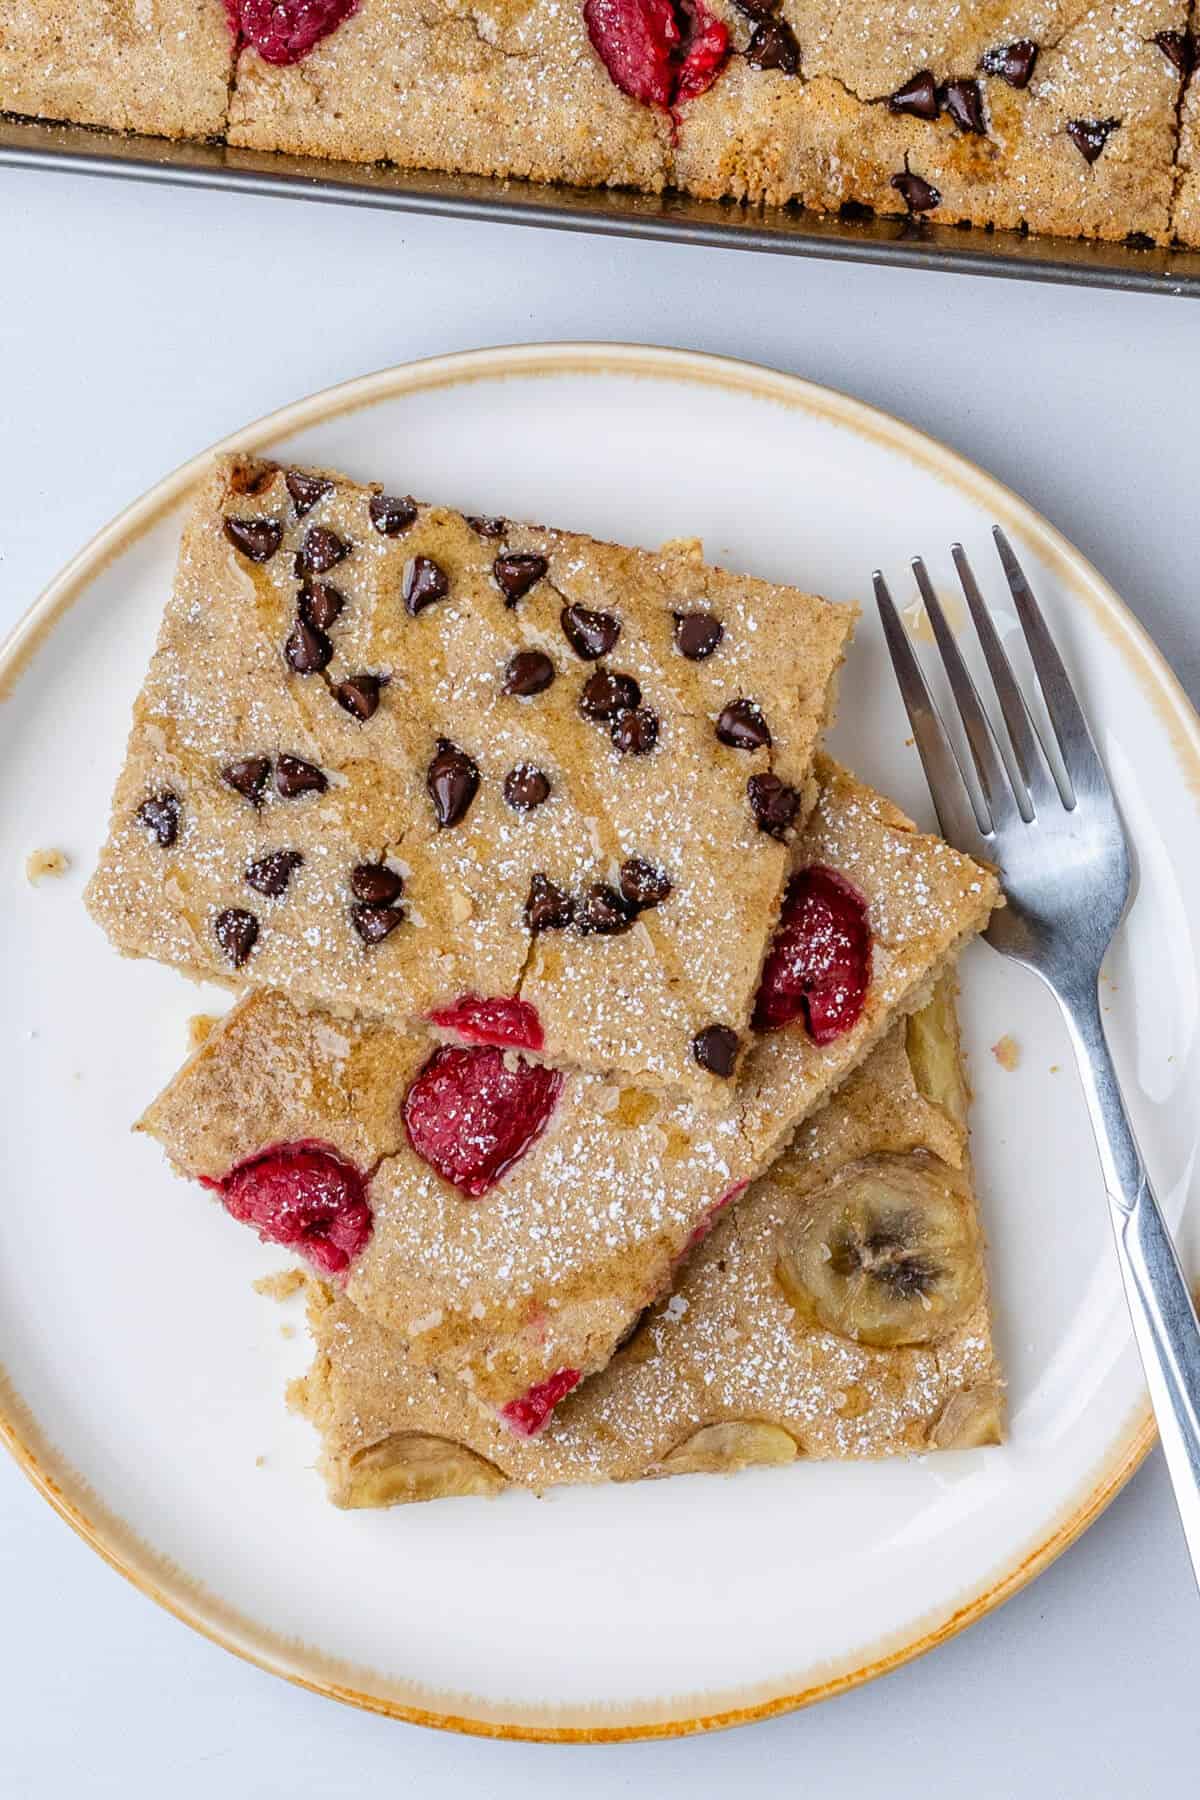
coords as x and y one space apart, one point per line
50 1472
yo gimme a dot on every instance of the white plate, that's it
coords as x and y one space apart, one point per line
144 1378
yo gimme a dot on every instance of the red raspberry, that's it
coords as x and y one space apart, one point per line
284 31
710 1218
658 51
528 1413
304 1196
705 56
819 963
513 1024
471 1117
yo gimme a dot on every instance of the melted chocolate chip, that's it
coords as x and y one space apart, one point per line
159 813
307 650
602 911
320 604
516 573
919 195
295 776
642 884
606 693
375 884
757 9
773 45
715 1049
358 695
237 933
1089 136
741 725
529 672
773 803
963 100
374 923
526 787
248 776
590 634
918 96
424 582
251 478
320 551
487 528
548 908
390 515
635 733
453 781
305 490
271 874
697 634
1179 48
1012 62
258 539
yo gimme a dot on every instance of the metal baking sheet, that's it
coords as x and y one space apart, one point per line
788 231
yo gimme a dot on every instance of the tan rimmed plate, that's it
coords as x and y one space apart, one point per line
142 1375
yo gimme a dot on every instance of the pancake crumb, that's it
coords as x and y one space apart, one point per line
43 863
1007 1052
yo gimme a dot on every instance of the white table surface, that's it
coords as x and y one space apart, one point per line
137 326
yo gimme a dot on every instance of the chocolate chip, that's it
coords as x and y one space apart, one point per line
307 650
603 911
374 923
251 478
487 528
391 515
320 604
919 195
526 787
295 776
248 776
590 634
517 573
159 813
358 695
271 874
1012 62
424 582
757 9
375 884
305 490
258 539
642 884
715 1049
547 908
453 781
1089 136
529 672
697 634
1179 48
918 96
741 725
773 803
320 550
963 100
237 933
605 694
635 733
773 46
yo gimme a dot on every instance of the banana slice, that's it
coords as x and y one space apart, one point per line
412 1466
734 1444
971 1418
887 1253
932 1044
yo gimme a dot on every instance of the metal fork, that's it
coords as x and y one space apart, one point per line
1064 864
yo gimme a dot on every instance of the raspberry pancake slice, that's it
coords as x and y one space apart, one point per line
522 1218
427 767
759 1354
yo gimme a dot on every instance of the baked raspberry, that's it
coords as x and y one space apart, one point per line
706 51
528 1413
471 1117
819 963
511 1023
302 1195
710 1218
660 52
284 31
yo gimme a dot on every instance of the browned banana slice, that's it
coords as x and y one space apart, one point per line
412 1466
733 1444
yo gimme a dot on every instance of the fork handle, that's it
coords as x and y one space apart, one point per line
1164 1319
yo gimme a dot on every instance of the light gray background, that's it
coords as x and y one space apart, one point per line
136 327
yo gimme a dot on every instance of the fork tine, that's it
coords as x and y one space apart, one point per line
993 777
1080 756
961 824
1028 754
